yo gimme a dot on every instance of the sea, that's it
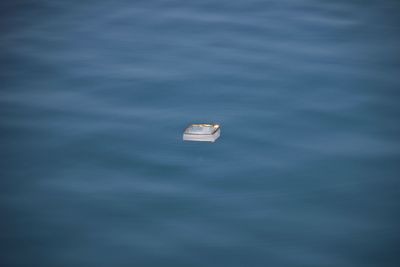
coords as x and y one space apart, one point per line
94 99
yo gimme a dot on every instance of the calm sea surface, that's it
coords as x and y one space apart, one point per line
95 95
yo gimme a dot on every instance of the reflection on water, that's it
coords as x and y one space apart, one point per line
94 98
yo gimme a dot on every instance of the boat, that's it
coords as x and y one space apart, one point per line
202 132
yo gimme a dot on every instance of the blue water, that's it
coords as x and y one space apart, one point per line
94 98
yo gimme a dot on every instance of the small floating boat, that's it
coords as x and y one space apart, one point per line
202 132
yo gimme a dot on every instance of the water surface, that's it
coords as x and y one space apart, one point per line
94 99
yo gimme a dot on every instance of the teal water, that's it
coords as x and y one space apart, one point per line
94 98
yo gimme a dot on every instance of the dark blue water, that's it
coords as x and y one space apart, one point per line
95 96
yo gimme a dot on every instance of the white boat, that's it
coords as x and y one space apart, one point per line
202 132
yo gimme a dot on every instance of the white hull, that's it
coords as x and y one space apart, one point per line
202 137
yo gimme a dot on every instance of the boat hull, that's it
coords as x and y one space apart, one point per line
202 137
